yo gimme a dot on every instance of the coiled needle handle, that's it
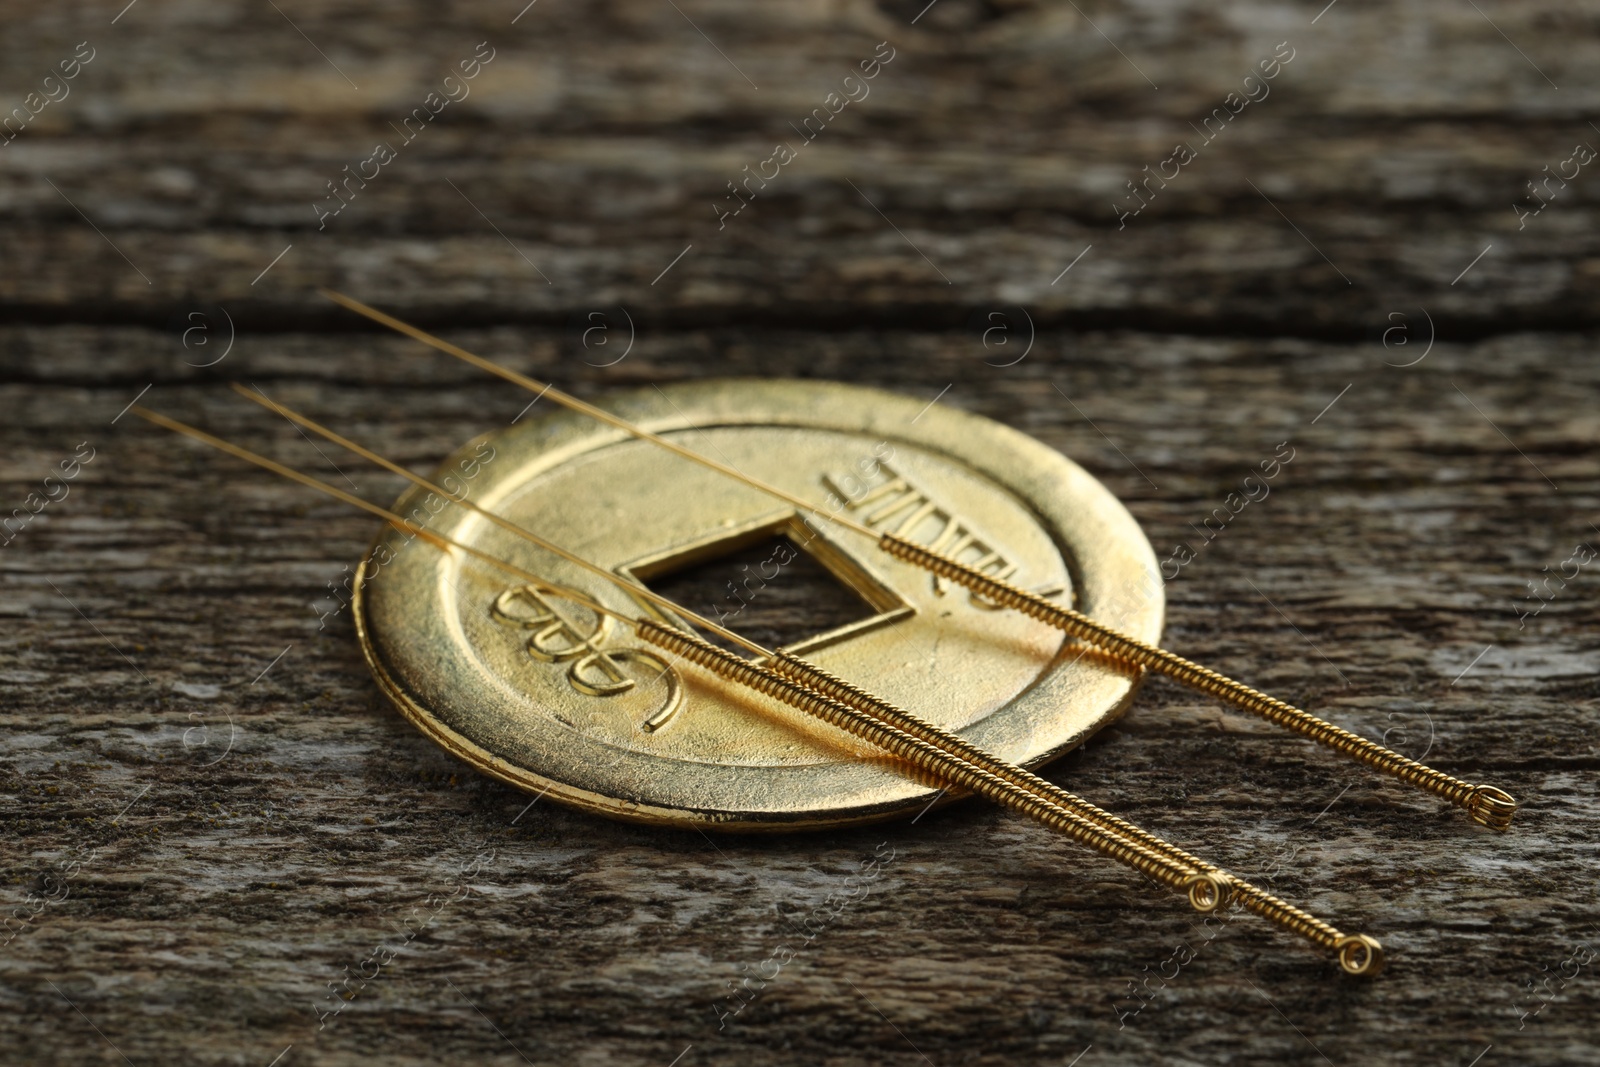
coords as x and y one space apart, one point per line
958 763
1486 804
1357 954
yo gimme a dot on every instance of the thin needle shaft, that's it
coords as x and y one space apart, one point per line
1486 804
567 400
505 524
437 540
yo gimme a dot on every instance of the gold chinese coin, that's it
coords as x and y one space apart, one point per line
556 698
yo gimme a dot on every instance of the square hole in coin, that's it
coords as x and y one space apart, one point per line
772 592
774 580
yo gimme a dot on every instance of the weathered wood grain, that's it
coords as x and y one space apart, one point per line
229 829
601 143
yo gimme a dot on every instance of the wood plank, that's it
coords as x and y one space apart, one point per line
1397 541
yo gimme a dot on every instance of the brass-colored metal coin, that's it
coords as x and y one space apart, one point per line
548 696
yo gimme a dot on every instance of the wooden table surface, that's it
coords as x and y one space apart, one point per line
222 846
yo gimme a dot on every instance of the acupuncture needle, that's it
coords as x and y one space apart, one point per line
1486 804
1207 887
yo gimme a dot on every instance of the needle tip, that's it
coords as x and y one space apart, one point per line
343 301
